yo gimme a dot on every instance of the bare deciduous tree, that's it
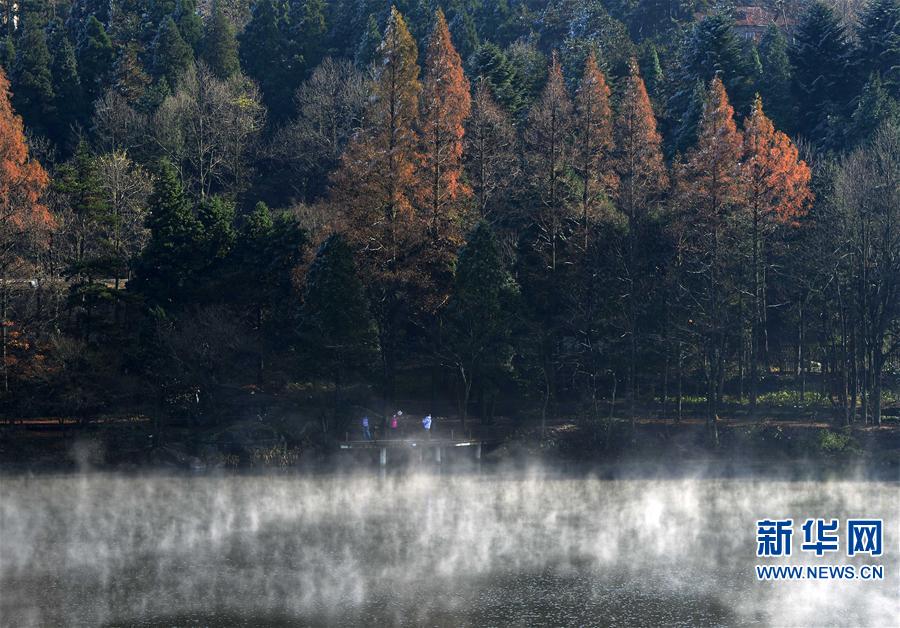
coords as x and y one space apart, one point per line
208 128
490 152
330 107
867 191
116 125
126 187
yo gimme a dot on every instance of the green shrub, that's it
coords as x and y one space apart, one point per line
831 442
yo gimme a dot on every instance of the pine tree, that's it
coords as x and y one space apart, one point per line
190 26
219 47
87 220
79 181
775 86
490 64
685 134
479 316
267 251
159 10
712 49
250 259
217 236
529 71
876 108
337 334
755 63
446 104
129 78
879 43
152 17
7 54
367 48
32 80
95 59
348 23
308 29
652 69
171 258
172 57
106 12
464 30
776 192
216 216
34 13
264 56
709 190
67 90
594 143
822 83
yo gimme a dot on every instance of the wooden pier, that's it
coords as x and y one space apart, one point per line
436 445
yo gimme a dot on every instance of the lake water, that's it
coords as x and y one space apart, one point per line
420 548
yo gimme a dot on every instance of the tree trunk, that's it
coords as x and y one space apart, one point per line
337 396
680 404
876 387
754 327
545 405
466 381
612 407
4 299
801 355
665 394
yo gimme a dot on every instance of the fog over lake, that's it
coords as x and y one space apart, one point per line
421 547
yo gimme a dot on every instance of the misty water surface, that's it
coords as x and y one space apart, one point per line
423 548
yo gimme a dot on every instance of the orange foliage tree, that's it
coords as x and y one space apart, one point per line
376 190
25 222
709 189
642 178
548 143
638 153
776 190
376 185
593 124
446 104
490 151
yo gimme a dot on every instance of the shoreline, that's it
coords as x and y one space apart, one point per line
702 465
793 449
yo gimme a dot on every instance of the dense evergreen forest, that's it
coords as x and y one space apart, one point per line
526 208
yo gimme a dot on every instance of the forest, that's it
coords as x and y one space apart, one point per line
303 210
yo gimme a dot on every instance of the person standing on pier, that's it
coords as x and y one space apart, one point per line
395 423
426 423
367 433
